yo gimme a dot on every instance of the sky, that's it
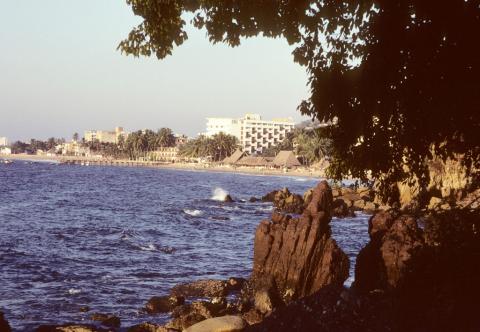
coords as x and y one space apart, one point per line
60 73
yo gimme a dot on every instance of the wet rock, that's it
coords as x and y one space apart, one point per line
299 253
219 218
149 327
106 320
235 284
85 309
4 326
70 328
228 199
189 314
285 201
201 288
253 199
219 324
159 304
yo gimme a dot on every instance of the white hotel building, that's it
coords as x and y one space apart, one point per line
254 134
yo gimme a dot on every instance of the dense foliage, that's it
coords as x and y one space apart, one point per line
34 145
215 148
139 143
399 79
310 145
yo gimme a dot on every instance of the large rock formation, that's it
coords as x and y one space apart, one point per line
431 275
297 256
4 326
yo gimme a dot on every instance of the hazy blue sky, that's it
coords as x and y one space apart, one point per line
60 72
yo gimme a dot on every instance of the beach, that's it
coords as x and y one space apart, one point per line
207 167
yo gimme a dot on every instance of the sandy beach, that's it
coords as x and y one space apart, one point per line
298 172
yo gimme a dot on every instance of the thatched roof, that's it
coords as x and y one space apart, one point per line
286 159
253 161
236 156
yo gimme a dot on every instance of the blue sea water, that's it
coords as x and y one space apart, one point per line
112 237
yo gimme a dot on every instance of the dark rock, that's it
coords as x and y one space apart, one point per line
149 327
235 284
201 288
70 328
159 304
85 309
186 315
299 253
106 320
340 209
219 218
431 276
253 199
228 199
331 309
4 326
285 201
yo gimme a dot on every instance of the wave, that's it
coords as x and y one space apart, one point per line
193 213
73 291
149 247
219 194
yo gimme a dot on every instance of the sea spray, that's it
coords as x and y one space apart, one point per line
193 213
219 194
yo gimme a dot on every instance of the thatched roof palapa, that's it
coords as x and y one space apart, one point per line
253 161
286 159
236 156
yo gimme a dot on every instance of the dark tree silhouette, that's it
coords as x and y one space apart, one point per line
399 79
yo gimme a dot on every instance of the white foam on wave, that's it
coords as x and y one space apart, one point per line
194 213
73 291
150 247
219 194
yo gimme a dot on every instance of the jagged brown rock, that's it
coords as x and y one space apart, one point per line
299 253
4 326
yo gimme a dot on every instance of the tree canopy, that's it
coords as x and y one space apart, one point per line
398 79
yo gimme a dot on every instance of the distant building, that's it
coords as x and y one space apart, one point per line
180 140
254 134
6 151
3 141
73 148
105 136
169 154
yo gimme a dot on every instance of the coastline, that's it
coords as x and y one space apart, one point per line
299 172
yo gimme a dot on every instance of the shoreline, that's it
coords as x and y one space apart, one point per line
301 172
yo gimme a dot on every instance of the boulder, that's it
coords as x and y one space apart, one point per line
201 288
298 254
434 203
285 201
106 320
219 324
340 209
4 326
149 327
228 199
189 314
160 304
70 328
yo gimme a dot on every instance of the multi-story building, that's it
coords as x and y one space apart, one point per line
3 141
254 134
105 136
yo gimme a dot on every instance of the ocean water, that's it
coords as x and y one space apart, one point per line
112 237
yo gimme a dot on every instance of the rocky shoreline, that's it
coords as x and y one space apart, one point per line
415 274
